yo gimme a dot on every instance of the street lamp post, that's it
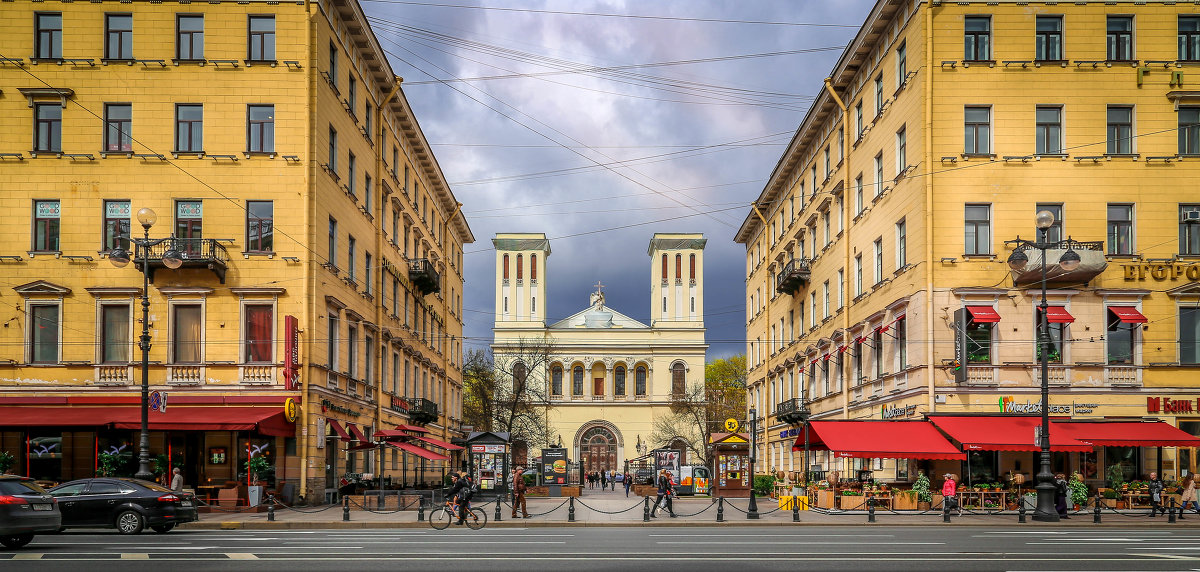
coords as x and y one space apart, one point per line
119 257
752 509
1045 511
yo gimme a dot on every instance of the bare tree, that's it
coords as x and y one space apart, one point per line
522 393
702 408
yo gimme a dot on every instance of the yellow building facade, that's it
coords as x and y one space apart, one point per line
604 380
320 293
939 134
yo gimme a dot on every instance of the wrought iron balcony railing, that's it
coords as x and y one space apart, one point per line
793 411
424 277
420 410
794 274
196 253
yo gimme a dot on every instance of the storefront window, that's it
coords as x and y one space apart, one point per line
1120 340
979 342
1054 344
1088 465
45 456
1121 464
983 466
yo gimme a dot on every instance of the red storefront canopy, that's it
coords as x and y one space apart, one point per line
983 314
412 428
357 433
267 421
1126 433
879 439
418 451
1128 314
1058 315
24 416
437 443
1003 433
337 428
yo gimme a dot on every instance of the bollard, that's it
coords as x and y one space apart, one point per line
346 509
646 511
421 508
271 510
571 511
945 511
870 512
498 509
720 509
1096 512
795 510
1171 512
1021 513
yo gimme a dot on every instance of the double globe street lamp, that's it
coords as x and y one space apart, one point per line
1068 261
171 258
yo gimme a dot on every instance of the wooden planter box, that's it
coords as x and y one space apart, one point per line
825 499
544 491
644 490
852 502
904 501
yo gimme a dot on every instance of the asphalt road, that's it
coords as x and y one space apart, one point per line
726 547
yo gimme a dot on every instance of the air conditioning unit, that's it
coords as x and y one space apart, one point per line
1190 216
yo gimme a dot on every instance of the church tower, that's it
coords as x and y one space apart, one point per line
677 280
520 279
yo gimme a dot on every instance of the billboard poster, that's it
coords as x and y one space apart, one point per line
554 466
667 459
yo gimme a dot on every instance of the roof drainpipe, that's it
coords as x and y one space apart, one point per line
845 239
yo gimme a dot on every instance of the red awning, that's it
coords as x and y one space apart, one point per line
337 428
983 314
879 439
418 451
1127 433
413 428
437 443
1128 314
1058 315
357 433
26 416
1003 433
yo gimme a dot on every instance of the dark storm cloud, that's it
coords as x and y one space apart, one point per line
620 119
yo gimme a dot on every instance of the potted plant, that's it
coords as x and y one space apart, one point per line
904 500
255 466
1111 495
924 495
7 460
108 464
1078 491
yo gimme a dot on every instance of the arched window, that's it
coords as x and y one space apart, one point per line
520 274
519 373
619 381
577 380
556 374
664 268
640 380
678 267
692 267
677 381
506 267
533 267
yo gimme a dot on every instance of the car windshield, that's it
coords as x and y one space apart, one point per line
149 485
14 487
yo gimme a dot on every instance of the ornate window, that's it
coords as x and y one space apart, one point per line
640 381
577 380
556 380
678 385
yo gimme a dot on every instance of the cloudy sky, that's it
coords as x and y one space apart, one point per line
601 123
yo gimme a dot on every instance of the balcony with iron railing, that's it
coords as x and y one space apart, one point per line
794 274
206 253
793 411
420 410
423 276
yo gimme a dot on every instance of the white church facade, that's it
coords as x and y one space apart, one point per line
608 376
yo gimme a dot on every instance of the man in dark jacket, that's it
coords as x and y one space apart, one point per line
1156 495
666 490
518 487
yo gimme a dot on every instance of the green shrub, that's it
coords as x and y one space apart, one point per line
109 464
921 486
1078 490
7 460
764 485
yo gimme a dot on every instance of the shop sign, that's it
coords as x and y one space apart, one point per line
789 433
291 352
327 405
289 410
554 466
893 412
1168 405
1162 272
399 403
487 449
1010 405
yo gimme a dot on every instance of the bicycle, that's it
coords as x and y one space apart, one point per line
441 517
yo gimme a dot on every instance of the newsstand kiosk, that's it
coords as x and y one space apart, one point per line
489 461
731 455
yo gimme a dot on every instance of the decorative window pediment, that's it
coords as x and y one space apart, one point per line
41 288
43 93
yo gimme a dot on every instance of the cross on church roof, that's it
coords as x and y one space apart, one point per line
599 286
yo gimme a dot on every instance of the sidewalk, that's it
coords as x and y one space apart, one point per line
607 508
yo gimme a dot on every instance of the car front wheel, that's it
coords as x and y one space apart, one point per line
130 522
162 528
15 540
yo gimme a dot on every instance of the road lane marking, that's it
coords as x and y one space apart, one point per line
240 556
823 543
135 556
27 556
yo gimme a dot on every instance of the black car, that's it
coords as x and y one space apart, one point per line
25 509
129 505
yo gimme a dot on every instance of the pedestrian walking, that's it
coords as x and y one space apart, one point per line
177 480
950 493
628 480
518 487
1188 494
603 480
1061 490
1156 495
665 490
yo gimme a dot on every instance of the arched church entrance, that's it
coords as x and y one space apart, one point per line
598 449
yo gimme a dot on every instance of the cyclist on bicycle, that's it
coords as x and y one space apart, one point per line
463 490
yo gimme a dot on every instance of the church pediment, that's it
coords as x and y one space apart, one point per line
580 320
41 288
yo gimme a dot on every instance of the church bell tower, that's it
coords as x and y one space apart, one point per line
520 279
677 280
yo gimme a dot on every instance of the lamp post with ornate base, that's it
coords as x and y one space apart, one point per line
752 508
119 257
1045 511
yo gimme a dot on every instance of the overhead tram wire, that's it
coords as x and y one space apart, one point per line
612 15
547 137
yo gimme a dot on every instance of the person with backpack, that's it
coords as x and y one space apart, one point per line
463 498
665 490
1156 495
1061 490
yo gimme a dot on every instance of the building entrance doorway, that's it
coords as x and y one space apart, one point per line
598 449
